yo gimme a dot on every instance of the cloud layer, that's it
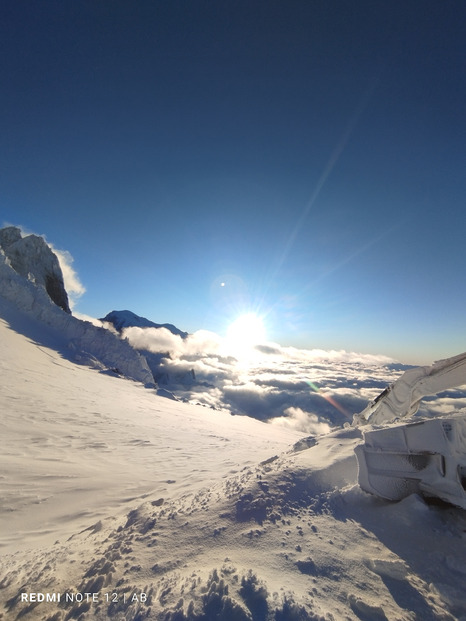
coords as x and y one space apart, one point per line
310 390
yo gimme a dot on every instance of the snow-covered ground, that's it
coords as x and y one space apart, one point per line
117 503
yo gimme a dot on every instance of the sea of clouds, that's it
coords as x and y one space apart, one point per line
310 390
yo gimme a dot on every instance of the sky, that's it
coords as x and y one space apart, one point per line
301 160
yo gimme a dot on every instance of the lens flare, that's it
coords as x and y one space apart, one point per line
328 398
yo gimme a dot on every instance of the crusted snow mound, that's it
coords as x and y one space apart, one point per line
425 457
32 258
85 342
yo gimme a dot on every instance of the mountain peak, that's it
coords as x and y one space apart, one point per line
127 319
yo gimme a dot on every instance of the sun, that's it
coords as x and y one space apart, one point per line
245 332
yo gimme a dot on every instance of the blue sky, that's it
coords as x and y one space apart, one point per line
301 159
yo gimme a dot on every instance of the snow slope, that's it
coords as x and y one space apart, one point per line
127 506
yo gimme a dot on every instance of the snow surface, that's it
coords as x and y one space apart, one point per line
126 505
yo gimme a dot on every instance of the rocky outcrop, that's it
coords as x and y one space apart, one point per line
32 258
81 341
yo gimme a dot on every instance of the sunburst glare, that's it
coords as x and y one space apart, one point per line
245 332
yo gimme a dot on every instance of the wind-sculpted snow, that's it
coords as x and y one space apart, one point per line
85 342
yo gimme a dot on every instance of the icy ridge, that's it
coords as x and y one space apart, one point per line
89 343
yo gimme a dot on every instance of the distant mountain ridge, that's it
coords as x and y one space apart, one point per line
127 319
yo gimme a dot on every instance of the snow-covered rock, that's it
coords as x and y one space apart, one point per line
32 258
82 341
9 236
126 319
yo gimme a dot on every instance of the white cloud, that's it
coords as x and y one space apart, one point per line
298 419
155 340
444 404
96 322
311 389
203 342
73 285
320 355
308 390
161 340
